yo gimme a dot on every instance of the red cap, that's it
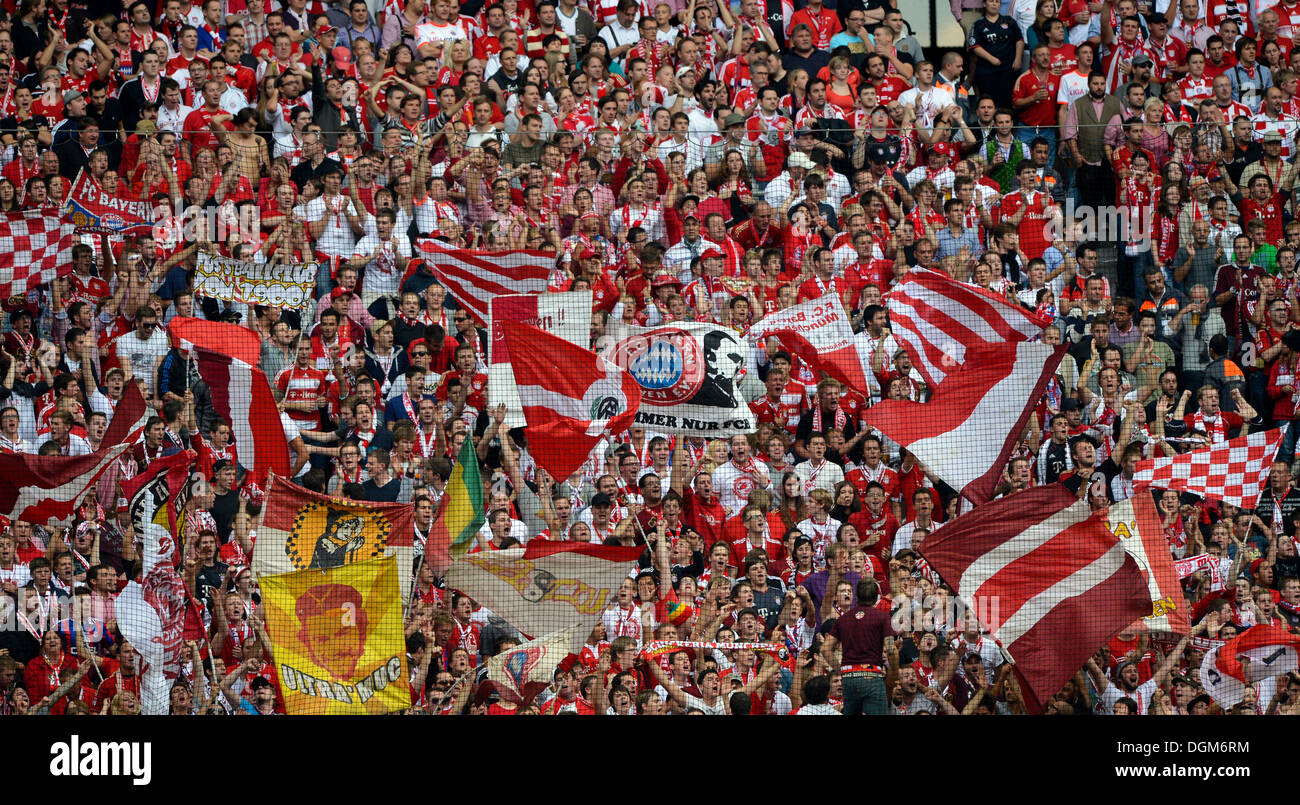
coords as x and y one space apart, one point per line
587 254
711 252
944 148
666 278
338 292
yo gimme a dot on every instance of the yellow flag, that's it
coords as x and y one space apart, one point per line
338 638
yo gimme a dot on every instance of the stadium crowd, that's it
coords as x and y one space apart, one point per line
685 162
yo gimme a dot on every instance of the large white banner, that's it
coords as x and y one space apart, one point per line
567 315
278 285
689 373
548 585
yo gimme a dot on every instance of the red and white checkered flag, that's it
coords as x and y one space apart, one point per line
1233 471
35 248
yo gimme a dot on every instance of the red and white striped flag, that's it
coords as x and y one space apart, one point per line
42 489
570 400
1235 471
35 248
937 319
219 336
1257 656
126 426
129 416
967 430
474 277
820 333
1055 584
242 396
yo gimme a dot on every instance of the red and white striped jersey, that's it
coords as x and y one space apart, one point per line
1285 124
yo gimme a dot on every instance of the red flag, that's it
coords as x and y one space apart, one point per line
473 277
1054 583
820 333
967 430
222 337
936 319
1257 655
1235 471
242 397
129 417
35 249
40 489
570 399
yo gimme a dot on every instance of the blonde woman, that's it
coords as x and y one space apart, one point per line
842 88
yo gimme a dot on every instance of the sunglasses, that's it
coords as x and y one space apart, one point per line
421 354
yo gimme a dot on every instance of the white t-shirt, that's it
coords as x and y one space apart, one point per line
620 623
433 33
733 486
336 239
144 354
1073 86
817 710
383 275
291 433
819 476
933 101
1142 696
19 574
719 709
903 537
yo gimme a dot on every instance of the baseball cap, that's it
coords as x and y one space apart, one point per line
944 148
601 499
70 96
587 254
1069 404
800 160
342 56
666 278
1141 59
589 214
878 152
339 292
711 252
220 465
732 119
683 70
1272 137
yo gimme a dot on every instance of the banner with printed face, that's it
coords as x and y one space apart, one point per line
303 530
338 639
275 284
689 373
567 315
93 211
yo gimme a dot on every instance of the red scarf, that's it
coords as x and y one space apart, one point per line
841 419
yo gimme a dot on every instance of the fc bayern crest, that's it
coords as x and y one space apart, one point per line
667 364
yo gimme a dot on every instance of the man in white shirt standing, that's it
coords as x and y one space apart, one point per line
384 256
923 504
926 97
741 475
142 351
818 472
